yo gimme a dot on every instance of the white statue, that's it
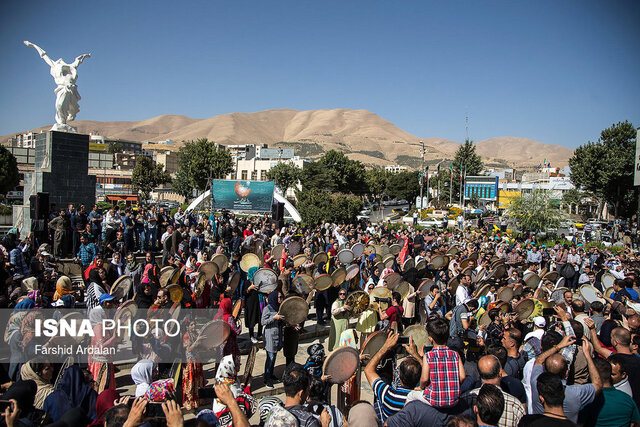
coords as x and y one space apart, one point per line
67 95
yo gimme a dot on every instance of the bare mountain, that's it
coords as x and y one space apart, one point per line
361 134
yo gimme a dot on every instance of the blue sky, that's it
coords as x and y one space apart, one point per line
554 71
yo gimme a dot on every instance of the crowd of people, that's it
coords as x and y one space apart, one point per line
473 326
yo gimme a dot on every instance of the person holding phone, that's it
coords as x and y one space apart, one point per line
387 399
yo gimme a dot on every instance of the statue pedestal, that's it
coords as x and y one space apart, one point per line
62 170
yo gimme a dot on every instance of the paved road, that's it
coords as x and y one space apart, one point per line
379 215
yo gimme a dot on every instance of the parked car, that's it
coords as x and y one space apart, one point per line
365 211
403 202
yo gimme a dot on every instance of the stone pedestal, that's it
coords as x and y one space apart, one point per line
62 170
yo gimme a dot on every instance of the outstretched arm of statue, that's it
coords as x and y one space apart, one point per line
80 58
41 52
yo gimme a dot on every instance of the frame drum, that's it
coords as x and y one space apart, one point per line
408 264
320 257
374 343
121 287
358 301
352 271
323 282
381 293
338 276
607 280
221 261
298 260
266 279
294 309
214 334
249 260
341 364
419 335
345 256
588 293
358 250
303 283
392 280
234 281
505 294
209 268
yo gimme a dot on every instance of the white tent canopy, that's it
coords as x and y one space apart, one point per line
289 208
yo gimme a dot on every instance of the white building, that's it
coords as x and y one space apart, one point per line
395 168
24 140
253 162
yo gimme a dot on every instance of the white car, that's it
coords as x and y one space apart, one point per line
365 211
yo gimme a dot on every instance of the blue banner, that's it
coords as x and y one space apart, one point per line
255 196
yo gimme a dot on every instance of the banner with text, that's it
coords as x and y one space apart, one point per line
255 196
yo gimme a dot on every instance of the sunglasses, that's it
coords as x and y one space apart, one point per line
342 293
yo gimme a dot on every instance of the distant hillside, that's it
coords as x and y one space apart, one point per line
361 134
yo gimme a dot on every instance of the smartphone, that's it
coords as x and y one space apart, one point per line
403 340
154 410
548 312
207 393
4 404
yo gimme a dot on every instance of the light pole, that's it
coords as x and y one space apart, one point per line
421 177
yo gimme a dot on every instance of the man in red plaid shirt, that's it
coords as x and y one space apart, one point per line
442 369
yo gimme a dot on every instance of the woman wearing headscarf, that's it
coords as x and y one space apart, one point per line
252 305
101 365
42 374
73 391
63 287
193 376
143 297
363 414
273 323
105 401
227 374
339 319
231 344
142 376
13 337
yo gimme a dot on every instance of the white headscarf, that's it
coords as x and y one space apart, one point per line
142 374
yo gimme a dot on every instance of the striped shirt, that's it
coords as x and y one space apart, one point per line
388 400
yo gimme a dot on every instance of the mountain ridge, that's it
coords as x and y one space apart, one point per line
361 134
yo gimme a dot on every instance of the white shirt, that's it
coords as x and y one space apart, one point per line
462 295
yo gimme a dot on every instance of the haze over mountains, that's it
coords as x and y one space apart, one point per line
361 134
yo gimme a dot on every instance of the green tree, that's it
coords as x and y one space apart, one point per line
147 175
9 176
534 212
285 175
197 162
348 175
404 185
114 147
443 179
317 206
466 162
376 181
605 167
315 176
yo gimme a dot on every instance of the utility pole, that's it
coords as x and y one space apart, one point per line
451 185
420 177
439 183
